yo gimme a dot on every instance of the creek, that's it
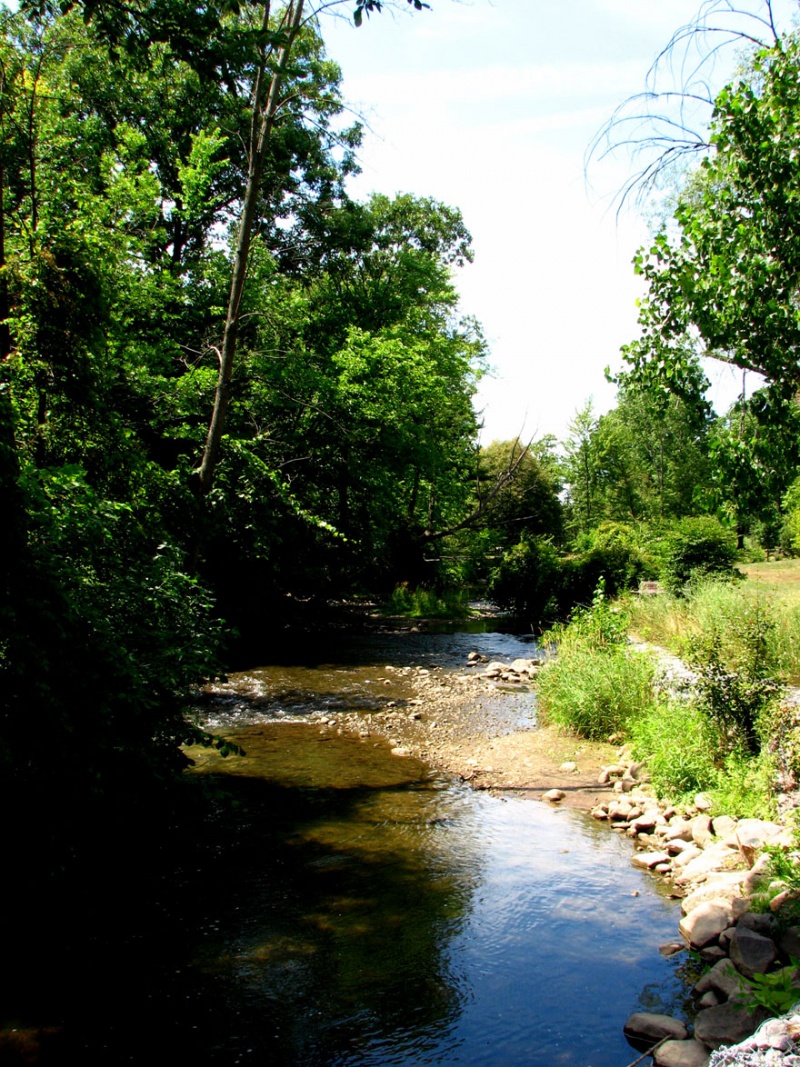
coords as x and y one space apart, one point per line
346 907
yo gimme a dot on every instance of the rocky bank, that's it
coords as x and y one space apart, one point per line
733 914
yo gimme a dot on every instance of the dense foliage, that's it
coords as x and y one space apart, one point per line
348 436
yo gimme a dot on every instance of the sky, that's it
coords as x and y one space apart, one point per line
489 106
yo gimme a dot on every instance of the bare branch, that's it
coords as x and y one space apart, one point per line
672 116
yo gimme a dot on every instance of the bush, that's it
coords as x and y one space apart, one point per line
732 649
675 740
528 580
595 686
695 549
542 586
597 694
685 755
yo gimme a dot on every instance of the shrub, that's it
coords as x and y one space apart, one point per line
596 694
695 549
528 580
595 686
674 738
539 584
732 650
684 755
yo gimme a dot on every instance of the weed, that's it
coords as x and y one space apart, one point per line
777 991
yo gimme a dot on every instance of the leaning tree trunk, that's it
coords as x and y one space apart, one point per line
262 122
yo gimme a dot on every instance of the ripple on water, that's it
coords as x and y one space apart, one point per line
376 914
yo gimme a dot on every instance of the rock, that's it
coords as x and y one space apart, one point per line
569 767
717 857
554 795
649 860
702 802
401 751
701 830
709 1000
645 823
522 666
759 922
646 1028
706 922
687 855
752 953
681 1054
724 885
681 830
752 835
723 825
494 669
620 810
789 942
757 878
671 948
599 812
727 1024
723 978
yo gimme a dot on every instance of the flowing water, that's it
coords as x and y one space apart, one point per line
382 914
343 907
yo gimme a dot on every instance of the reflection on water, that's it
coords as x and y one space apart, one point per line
416 922
343 907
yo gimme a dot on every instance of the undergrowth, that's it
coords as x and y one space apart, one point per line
720 741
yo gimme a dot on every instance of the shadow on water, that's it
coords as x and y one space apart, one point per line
343 907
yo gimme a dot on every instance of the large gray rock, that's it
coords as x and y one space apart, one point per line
706 922
725 885
751 953
646 1028
723 978
728 1023
681 1054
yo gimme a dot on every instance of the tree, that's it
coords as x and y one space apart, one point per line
725 285
580 470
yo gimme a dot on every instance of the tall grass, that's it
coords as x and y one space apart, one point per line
718 742
595 686
728 612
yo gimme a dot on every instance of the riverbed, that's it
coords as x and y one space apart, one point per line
351 899
382 911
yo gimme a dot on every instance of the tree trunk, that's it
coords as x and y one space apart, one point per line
263 120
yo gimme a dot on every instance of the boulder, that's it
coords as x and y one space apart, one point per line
680 830
728 1023
752 835
702 802
645 823
723 978
706 922
646 1028
522 666
789 942
752 953
723 826
717 857
725 885
686 856
681 1054
701 830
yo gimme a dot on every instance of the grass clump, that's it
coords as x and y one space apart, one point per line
595 686
426 603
